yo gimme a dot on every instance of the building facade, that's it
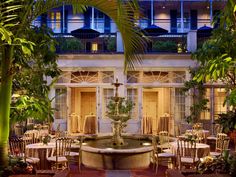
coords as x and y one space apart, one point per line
90 64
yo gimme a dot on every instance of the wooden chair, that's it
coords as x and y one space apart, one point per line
59 158
31 137
160 156
187 153
164 141
76 156
217 129
17 150
222 143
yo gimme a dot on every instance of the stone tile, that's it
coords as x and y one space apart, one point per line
118 173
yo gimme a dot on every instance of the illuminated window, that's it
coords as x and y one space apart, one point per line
55 21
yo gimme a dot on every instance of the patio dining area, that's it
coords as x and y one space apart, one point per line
59 153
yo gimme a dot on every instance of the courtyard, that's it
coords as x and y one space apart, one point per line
117 88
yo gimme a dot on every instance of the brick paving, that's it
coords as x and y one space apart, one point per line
88 172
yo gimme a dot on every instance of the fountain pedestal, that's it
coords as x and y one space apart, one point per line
117 140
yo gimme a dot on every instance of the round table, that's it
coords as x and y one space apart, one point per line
41 151
202 149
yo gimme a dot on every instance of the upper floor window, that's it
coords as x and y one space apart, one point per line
98 21
186 20
54 21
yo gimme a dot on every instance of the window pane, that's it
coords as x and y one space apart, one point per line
107 94
132 94
60 104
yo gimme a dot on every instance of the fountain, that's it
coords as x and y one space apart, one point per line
118 151
117 118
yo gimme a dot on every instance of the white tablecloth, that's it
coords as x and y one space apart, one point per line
202 149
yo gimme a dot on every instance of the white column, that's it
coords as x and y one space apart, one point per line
188 99
140 108
99 108
92 26
211 9
152 12
182 15
212 109
63 18
119 42
192 41
68 101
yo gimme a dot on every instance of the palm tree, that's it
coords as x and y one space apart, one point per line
17 15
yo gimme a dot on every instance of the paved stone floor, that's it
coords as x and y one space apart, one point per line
87 172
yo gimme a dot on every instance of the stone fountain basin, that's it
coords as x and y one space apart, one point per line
99 153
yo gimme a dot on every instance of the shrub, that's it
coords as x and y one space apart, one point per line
164 46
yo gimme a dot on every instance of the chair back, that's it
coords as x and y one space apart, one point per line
218 128
155 148
31 136
187 148
164 137
222 142
63 146
17 147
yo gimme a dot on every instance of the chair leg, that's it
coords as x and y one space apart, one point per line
156 166
79 164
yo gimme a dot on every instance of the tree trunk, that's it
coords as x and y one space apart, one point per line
5 101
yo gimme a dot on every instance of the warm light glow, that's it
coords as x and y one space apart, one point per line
146 144
94 47
221 90
109 149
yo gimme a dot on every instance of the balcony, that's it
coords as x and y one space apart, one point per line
69 44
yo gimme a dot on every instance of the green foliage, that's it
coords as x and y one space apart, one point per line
111 44
217 57
69 44
30 82
228 121
165 46
226 163
124 108
197 91
25 107
17 167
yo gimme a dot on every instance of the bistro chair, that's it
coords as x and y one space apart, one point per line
164 141
17 150
217 129
31 137
76 156
160 156
186 153
222 143
59 158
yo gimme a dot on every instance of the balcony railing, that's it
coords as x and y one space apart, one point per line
69 44
168 43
